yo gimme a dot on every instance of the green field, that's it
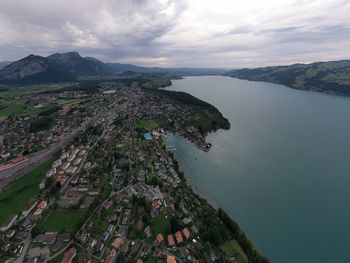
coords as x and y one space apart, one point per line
232 248
160 224
16 197
12 107
66 220
151 124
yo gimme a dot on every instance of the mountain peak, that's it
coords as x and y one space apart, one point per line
65 56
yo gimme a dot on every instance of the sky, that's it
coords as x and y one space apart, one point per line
179 33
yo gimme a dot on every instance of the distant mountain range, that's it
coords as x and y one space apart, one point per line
330 77
66 67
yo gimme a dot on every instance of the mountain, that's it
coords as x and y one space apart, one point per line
121 68
4 64
66 67
78 65
330 77
33 69
59 67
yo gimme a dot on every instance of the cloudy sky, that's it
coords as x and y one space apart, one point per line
204 33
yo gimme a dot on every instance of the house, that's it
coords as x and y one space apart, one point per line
57 163
99 246
159 238
155 134
186 233
5 247
69 255
125 248
117 242
122 231
65 237
105 236
10 233
178 237
183 252
147 231
171 240
84 257
110 258
157 252
47 239
42 205
171 259
147 136
111 229
94 191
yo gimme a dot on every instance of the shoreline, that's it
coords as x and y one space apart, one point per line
195 191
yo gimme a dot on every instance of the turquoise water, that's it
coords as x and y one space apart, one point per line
283 169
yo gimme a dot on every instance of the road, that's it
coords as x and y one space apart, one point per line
10 175
20 259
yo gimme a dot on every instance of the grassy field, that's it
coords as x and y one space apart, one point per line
151 124
161 225
15 197
232 248
61 220
12 107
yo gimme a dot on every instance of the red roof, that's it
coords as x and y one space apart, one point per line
178 236
171 240
42 204
160 238
118 242
69 255
171 259
186 233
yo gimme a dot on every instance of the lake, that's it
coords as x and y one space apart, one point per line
283 169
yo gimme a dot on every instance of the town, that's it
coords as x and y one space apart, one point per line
114 192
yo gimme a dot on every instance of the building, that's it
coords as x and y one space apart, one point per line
171 240
94 191
147 136
171 259
46 239
42 205
160 238
178 236
69 255
117 242
186 233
